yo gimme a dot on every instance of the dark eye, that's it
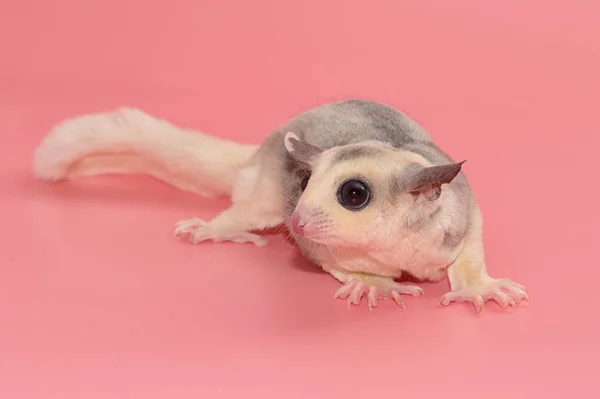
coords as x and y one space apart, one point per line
354 194
304 182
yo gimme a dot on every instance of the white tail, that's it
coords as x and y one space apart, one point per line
129 141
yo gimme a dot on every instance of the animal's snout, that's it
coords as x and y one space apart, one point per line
301 220
312 223
298 223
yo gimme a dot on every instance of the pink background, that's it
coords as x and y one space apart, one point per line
99 300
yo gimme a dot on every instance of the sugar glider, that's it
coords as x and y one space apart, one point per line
361 187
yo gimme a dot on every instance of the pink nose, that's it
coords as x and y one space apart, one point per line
301 220
298 223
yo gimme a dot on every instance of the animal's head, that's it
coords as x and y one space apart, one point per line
357 192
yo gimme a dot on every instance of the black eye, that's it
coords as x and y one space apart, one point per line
354 194
304 182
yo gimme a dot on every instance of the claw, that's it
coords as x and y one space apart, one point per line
503 299
478 302
398 299
372 298
343 291
356 294
443 301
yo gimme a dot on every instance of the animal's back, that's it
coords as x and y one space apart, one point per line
351 121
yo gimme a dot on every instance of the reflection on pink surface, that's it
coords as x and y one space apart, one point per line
99 300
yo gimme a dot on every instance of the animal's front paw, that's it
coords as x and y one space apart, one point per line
197 231
505 292
375 288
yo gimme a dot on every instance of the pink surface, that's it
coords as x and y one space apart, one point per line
99 300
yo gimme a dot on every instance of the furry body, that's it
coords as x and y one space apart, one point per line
422 218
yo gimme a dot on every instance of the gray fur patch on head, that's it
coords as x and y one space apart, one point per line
400 182
301 151
354 152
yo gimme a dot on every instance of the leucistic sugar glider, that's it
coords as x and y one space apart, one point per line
362 188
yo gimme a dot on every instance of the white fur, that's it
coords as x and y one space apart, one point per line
133 142
129 141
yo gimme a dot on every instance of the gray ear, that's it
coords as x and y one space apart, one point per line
429 180
301 151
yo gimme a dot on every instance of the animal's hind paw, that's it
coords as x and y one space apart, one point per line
197 231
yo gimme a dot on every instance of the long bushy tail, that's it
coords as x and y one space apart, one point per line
129 141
